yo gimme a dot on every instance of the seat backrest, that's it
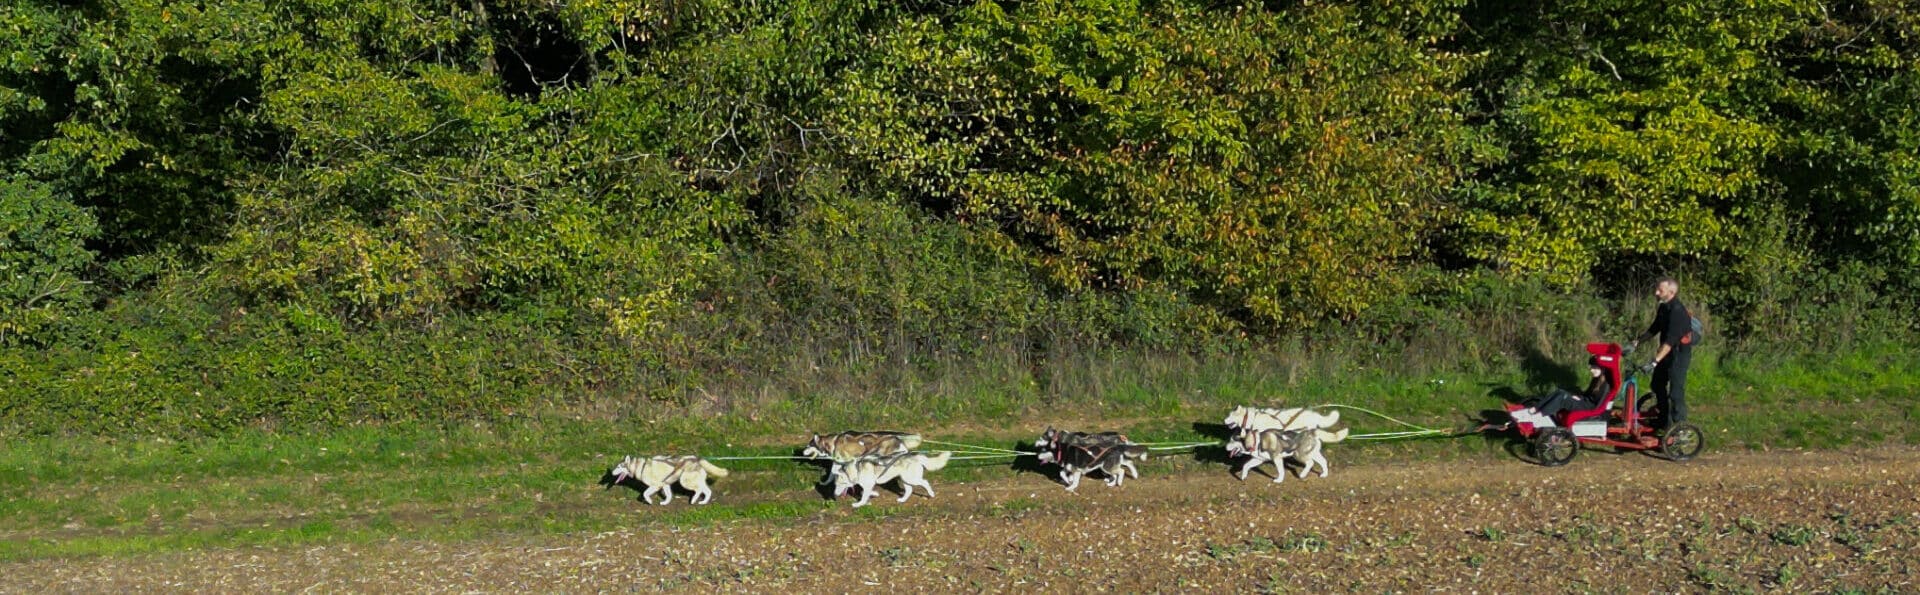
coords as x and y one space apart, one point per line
1609 357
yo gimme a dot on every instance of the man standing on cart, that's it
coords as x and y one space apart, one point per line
1674 324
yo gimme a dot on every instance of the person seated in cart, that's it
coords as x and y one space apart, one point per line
1560 400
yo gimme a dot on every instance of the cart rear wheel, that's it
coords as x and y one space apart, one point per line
1682 442
1555 447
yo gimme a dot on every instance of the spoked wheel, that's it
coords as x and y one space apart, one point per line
1682 442
1555 447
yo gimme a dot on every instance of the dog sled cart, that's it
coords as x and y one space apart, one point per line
1556 439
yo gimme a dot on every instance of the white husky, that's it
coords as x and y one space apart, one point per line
1278 445
660 472
1253 419
872 470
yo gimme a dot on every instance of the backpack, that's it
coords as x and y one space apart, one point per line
1694 334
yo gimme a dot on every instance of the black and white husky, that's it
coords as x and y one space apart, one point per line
1079 453
1277 445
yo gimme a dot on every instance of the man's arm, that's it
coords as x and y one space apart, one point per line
1677 327
1652 327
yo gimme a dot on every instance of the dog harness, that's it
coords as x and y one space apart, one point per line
1060 446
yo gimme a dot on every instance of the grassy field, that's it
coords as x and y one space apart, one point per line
83 496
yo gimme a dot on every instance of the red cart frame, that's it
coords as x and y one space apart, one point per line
1558 438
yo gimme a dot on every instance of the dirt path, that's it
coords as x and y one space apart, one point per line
1791 521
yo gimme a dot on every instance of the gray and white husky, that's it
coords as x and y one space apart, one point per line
872 470
660 472
850 445
1278 445
1079 453
1247 419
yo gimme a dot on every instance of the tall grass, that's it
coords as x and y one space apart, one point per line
185 421
77 495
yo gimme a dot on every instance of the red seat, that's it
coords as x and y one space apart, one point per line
1608 355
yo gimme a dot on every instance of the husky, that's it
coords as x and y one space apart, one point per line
1078 454
659 474
1096 442
847 446
1246 419
1278 445
870 471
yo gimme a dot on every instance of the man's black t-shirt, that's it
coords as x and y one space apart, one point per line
1672 321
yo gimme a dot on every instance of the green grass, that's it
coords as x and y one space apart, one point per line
90 496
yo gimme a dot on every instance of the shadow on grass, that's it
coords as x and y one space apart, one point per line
1212 453
824 485
1543 373
1028 461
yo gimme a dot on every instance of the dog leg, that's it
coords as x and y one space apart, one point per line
866 493
1322 457
1248 466
1279 470
906 490
647 496
1130 468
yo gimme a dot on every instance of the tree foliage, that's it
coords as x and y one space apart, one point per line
664 181
43 263
1282 164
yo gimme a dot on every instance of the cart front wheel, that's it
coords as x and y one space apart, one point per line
1555 447
1682 442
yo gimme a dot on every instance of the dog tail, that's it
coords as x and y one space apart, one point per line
1333 418
1326 436
910 441
1134 451
712 469
938 461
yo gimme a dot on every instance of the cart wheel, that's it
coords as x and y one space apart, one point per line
1555 447
1682 442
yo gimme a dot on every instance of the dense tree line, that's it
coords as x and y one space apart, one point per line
680 179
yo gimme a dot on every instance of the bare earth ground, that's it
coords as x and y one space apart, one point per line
1789 521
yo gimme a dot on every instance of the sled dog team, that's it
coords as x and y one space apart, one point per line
869 459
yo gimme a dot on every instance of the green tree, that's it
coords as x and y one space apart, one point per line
1284 164
43 260
1635 128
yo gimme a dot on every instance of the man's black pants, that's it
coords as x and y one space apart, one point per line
1670 386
